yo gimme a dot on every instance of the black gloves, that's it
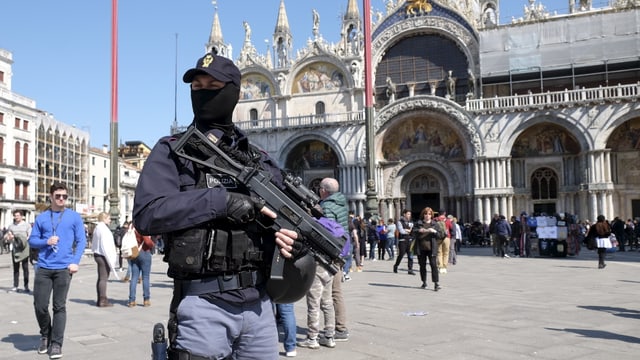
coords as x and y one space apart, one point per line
299 249
242 209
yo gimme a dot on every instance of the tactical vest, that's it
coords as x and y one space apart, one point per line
217 247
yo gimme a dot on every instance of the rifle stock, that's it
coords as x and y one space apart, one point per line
295 205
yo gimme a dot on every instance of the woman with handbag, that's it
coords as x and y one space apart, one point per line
141 263
105 256
600 231
427 232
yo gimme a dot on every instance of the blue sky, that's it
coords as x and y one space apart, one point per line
62 53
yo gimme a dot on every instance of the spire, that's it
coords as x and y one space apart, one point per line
216 29
216 42
351 42
352 11
282 39
282 24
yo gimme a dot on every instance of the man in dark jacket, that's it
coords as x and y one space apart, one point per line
617 227
503 233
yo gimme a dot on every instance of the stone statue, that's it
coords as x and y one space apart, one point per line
316 22
247 32
391 89
451 85
471 82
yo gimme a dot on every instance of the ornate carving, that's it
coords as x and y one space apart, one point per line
438 24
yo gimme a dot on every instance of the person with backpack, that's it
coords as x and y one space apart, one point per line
18 235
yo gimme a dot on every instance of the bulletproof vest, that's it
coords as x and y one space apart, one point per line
218 246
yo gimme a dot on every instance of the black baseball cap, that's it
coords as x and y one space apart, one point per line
219 67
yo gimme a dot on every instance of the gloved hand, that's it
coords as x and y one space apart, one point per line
299 249
241 208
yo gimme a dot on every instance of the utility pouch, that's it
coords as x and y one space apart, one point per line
188 248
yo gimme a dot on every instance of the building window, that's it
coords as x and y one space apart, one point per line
1 76
93 181
253 116
17 123
25 155
1 118
544 184
320 108
25 125
104 165
320 111
93 161
2 160
16 160
25 191
104 185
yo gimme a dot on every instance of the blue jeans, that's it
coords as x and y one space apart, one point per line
141 263
225 330
288 323
348 260
47 282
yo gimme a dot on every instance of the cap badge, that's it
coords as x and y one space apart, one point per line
208 59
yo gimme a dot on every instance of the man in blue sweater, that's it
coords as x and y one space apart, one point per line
59 234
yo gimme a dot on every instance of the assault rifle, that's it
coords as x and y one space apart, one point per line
295 205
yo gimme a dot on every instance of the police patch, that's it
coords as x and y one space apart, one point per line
224 180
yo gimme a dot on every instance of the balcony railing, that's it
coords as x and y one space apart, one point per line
556 99
496 104
303 121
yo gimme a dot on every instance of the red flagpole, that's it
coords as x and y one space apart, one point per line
114 193
372 201
367 54
114 61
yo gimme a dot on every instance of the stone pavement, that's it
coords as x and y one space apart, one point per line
489 308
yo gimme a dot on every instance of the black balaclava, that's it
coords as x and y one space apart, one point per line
214 108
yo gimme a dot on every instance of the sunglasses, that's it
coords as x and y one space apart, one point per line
61 196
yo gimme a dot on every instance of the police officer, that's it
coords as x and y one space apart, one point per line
200 211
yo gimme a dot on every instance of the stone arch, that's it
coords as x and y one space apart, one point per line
514 129
317 63
265 77
294 143
457 31
631 117
401 175
442 108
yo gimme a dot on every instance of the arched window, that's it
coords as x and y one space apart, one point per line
25 155
253 116
320 116
320 108
544 184
16 161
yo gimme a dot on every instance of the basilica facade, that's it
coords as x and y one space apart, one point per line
472 116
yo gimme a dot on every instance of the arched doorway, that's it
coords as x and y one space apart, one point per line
312 160
544 191
424 190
